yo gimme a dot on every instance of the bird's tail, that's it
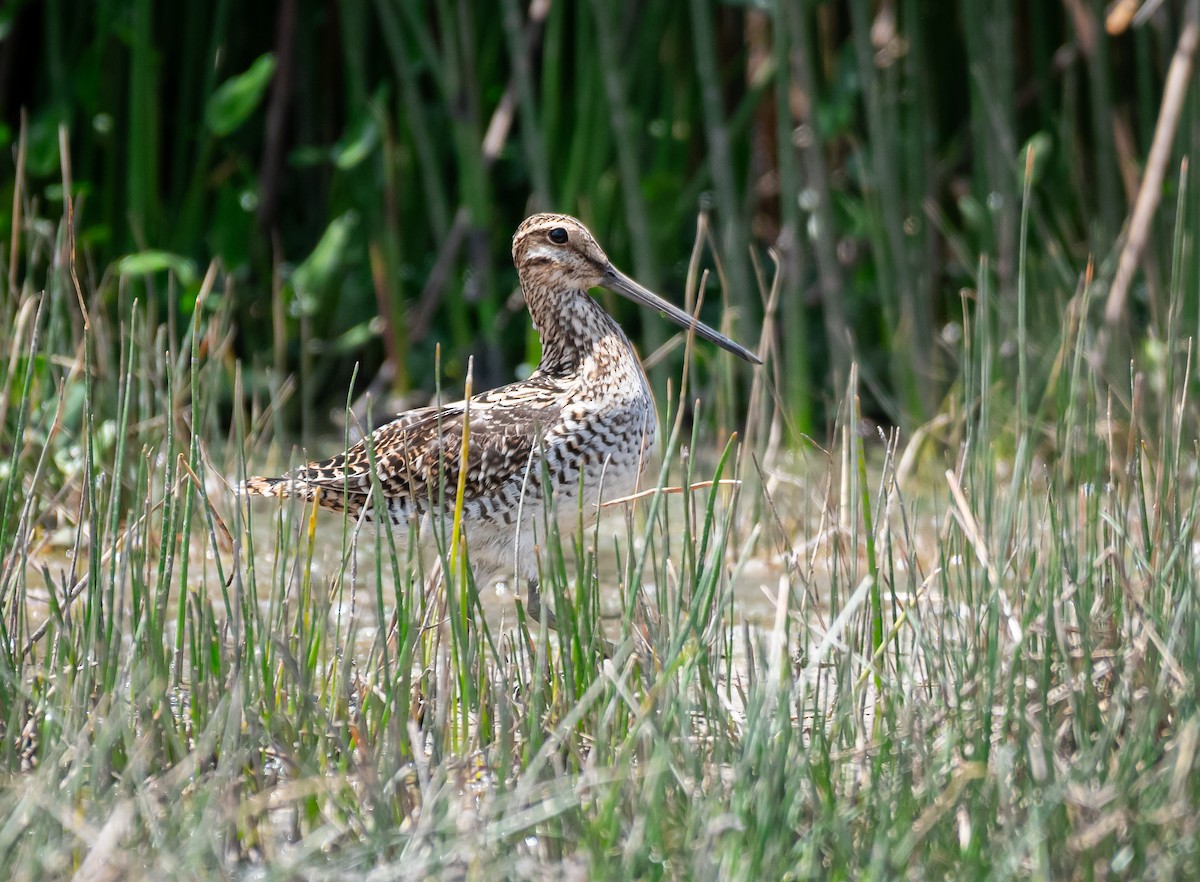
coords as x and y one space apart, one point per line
285 487
257 486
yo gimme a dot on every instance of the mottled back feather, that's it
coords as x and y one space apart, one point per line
417 454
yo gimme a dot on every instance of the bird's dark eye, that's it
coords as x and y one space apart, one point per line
558 236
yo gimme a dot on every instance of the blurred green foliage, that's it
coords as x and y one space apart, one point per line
358 167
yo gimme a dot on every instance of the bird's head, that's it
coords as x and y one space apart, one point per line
556 252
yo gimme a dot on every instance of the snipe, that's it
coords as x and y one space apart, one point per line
584 421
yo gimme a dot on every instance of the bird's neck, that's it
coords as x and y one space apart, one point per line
571 325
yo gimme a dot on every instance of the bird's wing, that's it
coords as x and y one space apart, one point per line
416 456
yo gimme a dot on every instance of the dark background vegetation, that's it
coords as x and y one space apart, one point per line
334 158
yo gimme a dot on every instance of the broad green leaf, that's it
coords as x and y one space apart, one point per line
356 337
318 270
237 97
156 261
357 143
362 134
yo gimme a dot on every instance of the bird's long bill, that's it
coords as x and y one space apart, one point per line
619 283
